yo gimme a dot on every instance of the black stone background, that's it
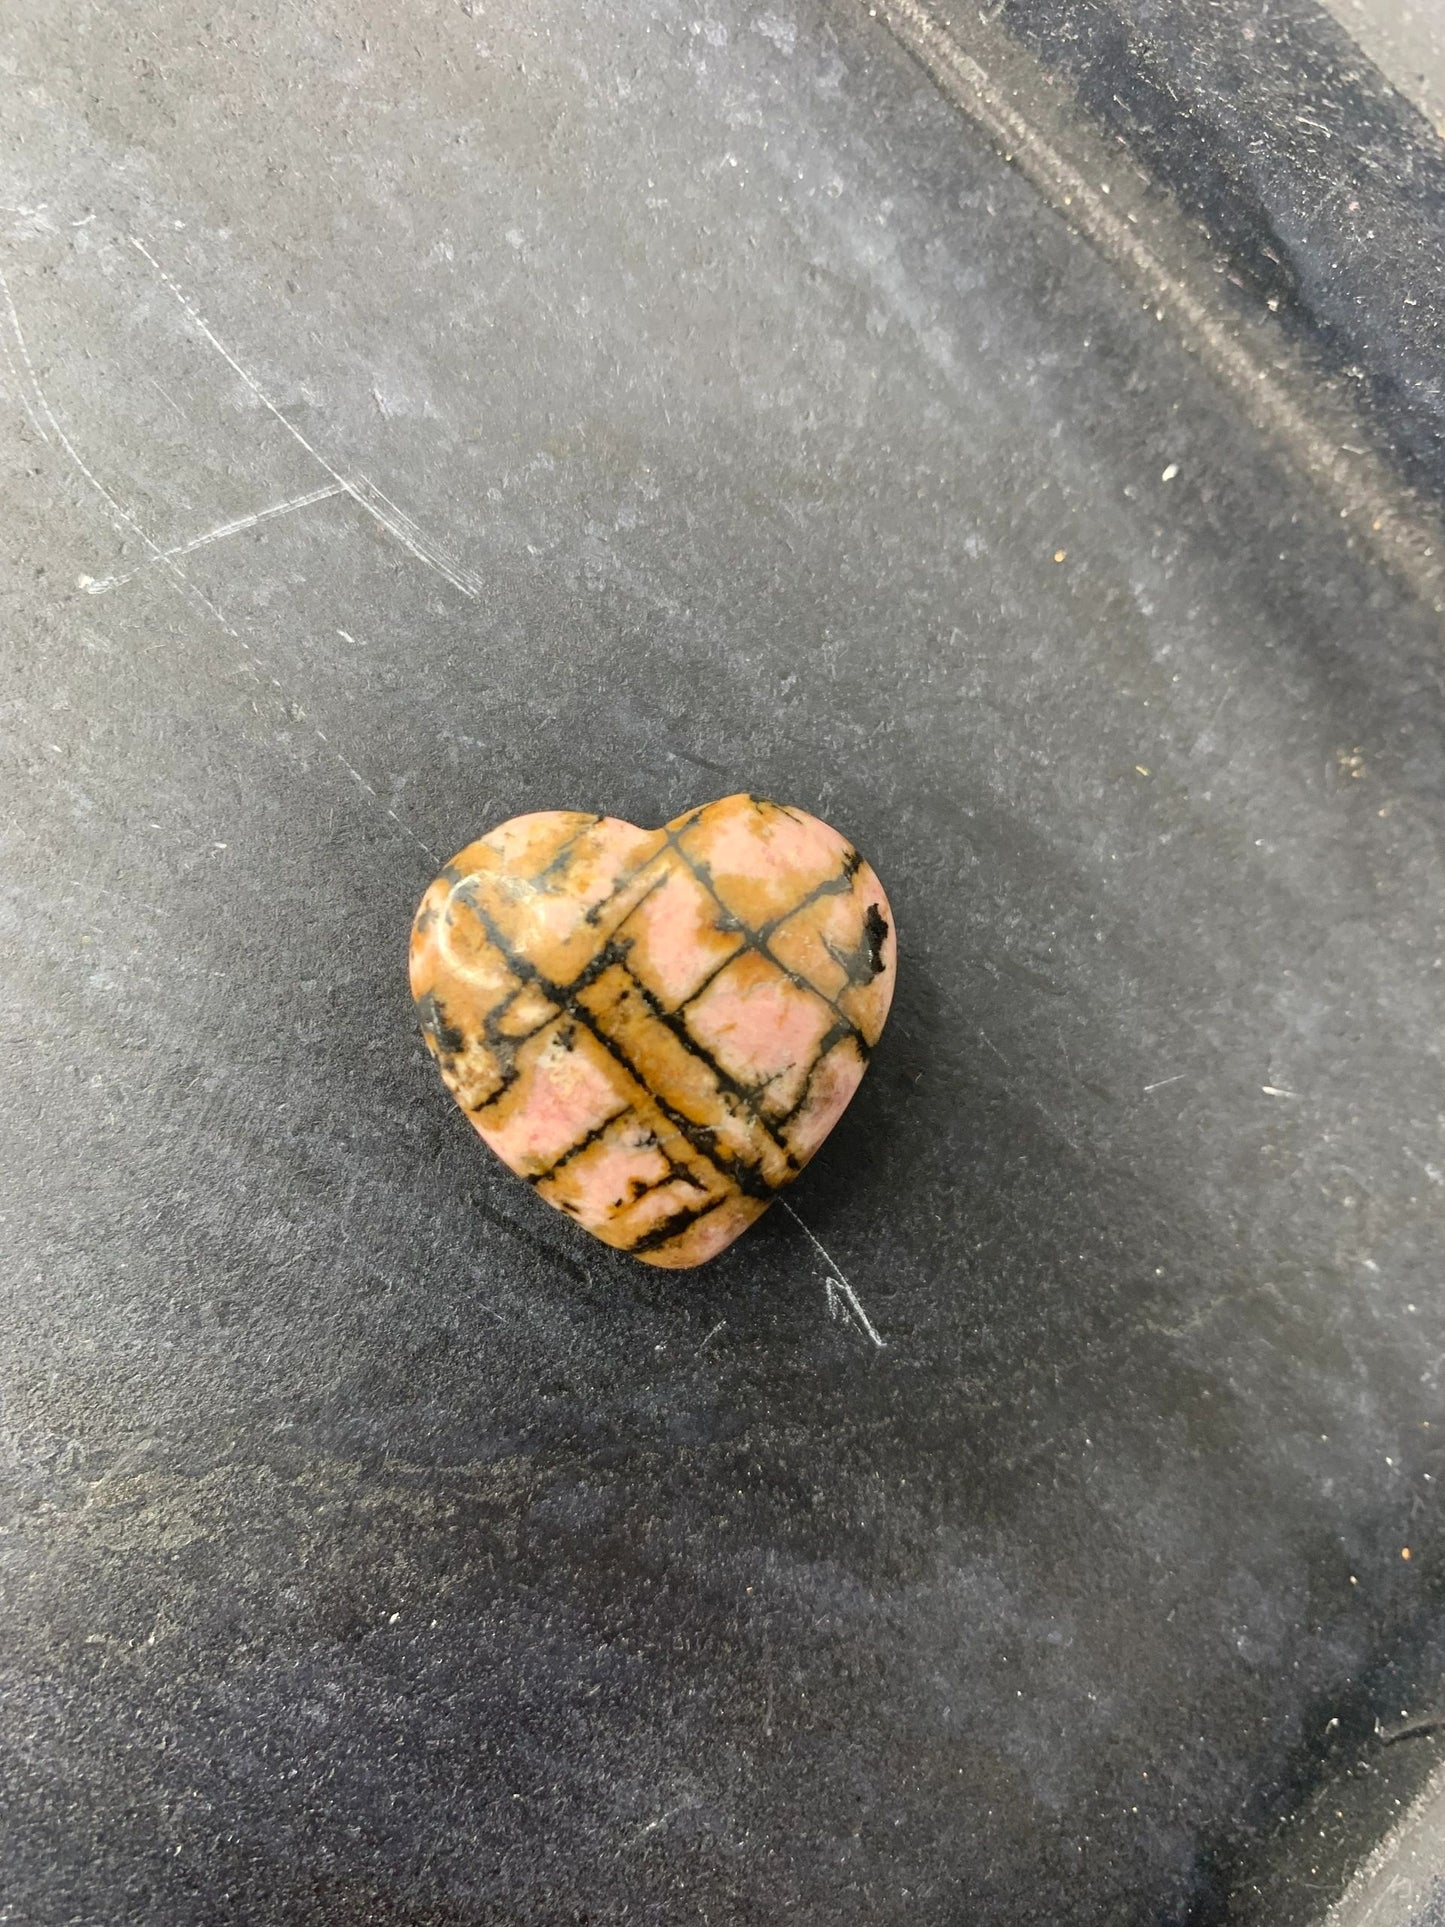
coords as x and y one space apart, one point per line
376 1547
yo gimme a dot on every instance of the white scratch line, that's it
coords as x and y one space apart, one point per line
1273 1090
352 770
684 1806
30 414
238 527
400 513
996 1051
167 558
163 393
838 1283
1163 1081
94 480
430 551
404 531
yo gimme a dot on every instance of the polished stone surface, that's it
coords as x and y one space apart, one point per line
656 1029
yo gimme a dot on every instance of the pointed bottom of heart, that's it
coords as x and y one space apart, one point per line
656 1028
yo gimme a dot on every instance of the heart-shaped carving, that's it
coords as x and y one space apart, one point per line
656 1028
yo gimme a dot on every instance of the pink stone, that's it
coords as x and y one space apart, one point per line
656 1028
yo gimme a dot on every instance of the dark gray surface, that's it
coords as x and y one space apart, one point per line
1320 186
380 1550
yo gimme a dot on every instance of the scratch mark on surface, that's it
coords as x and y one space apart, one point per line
92 586
74 456
167 558
719 1326
20 389
1163 1081
1274 1090
164 393
399 526
401 515
351 770
837 1286
662 1819
996 1051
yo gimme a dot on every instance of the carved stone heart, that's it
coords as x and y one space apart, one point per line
656 1028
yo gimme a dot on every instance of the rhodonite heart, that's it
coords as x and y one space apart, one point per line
656 1028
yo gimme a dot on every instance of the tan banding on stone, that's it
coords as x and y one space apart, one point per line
656 1028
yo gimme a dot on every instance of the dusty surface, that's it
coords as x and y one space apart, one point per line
1406 40
378 1550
